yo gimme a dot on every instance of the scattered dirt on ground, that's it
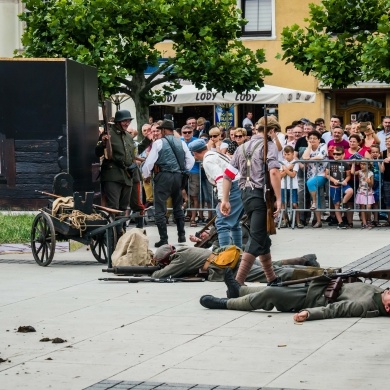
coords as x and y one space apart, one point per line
58 340
45 340
49 358
2 360
26 329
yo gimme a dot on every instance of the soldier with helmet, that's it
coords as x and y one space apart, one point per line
115 177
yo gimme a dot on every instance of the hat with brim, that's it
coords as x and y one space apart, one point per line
166 124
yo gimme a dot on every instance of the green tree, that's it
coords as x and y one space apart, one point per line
346 41
121 39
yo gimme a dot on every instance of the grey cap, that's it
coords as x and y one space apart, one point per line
197 145
166 124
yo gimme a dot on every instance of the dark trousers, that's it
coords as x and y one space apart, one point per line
259 242
167 184
117 195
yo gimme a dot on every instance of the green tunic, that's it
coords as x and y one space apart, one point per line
123 152
355 300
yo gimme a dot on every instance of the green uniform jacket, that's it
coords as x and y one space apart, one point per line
355 300
123 152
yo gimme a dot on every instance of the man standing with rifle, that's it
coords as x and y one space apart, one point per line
117 147
317 301
254 160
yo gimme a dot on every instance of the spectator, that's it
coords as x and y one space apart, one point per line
315 151
248 120
364 194
370 138
385 169
337 140
339 174
378 183
289 185
194 180
239 139
384 133
191 121
290 137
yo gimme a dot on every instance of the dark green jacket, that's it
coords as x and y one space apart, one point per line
123 153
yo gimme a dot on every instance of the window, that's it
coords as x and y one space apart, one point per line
260 17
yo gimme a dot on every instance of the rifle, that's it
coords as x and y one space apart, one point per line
108 146
269 194
154 280
132 270
211 237
376 274
107 209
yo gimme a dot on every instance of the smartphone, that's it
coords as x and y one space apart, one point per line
363 126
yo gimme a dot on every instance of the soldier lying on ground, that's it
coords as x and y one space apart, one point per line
308 302
188 260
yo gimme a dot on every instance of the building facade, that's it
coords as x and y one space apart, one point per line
266 19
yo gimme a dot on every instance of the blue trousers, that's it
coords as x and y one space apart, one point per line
229 228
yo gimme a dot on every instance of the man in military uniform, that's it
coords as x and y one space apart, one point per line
115 178
248 161
187 261
308 302
171 157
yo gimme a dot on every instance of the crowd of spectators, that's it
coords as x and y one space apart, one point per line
320 168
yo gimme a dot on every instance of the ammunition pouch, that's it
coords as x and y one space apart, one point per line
332 290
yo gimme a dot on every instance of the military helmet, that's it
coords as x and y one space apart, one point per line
122 115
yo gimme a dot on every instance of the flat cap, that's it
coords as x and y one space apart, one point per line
197 145
166 124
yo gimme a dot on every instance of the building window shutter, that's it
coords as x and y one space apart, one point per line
258 13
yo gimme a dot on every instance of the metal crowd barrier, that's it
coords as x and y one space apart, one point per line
325 193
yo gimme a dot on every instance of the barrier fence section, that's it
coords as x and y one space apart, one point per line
323 192
293 211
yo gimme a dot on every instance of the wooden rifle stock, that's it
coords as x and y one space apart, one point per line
107 209
269 194
204 241
108 146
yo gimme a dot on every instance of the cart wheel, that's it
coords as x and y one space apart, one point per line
99 242
43 239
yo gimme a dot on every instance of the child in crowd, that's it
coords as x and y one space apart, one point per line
338 174
385 169
289 185
364 194
376 169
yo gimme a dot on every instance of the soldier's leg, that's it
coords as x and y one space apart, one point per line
162 190
136 204
307 260
284 299
177 202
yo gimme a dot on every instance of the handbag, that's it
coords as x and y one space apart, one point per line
225 259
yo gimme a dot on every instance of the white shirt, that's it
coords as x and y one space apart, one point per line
214 165
327 136
148 165
247 121
382 137
287 178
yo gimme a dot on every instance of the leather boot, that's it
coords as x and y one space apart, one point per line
307 260
162 231
233 286
211 302
139 222
180 229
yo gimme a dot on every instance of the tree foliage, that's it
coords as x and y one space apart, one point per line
346 41
121 37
